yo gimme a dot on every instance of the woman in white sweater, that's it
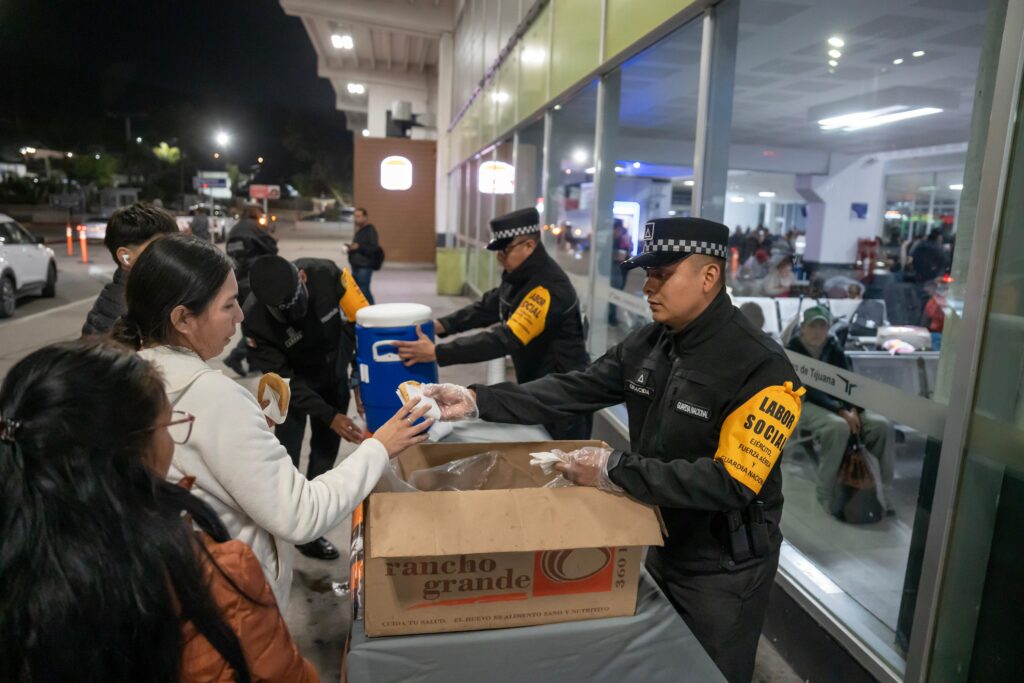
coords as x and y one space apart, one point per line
182 311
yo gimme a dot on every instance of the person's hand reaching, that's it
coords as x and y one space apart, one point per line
456 403
399 432
587 466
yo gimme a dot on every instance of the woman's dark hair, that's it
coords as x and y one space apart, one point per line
180 270
99 567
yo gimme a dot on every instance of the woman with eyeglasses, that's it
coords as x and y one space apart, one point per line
107 571
182 312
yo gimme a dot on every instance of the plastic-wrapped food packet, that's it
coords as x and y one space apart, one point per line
412 389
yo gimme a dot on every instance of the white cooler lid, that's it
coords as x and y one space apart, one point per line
393 315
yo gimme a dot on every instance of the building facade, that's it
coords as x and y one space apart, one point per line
841 135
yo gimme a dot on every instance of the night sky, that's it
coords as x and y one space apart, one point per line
71 70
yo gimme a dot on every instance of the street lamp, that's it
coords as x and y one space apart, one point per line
259 160
222 139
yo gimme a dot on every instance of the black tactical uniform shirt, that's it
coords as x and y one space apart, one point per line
710 409
247 242
315 352
534 316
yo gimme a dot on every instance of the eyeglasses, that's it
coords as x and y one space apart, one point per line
179 428
508 250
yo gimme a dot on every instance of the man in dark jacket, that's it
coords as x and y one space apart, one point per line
294 327
247 241
200 224
364 253
928 258
534 316
832 420
711 403
129 231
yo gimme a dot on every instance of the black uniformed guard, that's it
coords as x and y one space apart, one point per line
294 327
534 316
247 241
711 402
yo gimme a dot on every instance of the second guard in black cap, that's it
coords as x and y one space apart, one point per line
293 326
534 316
711 402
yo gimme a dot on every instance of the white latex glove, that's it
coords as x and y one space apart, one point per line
456 403
587 466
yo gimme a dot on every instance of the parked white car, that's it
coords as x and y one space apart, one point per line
221 223
27 266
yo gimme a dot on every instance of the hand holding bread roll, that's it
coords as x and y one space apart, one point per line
276 390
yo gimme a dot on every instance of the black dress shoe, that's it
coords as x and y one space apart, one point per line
320 549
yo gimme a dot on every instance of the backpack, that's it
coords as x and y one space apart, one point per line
378 258
869 316
857 498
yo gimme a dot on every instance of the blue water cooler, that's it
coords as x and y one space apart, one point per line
380 369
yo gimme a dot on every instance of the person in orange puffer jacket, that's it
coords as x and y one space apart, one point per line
111 573
269 650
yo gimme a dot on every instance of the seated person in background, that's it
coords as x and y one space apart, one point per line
755 314
935 315
129 231
110 573
833 420
780 277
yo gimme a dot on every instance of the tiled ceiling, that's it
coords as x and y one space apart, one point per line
782 72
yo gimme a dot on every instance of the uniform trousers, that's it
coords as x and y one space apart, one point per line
725 610
323 443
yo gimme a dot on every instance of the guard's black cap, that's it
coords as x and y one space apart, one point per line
506 228
667 240
274 280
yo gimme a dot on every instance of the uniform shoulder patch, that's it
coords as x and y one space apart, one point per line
754 434
528 320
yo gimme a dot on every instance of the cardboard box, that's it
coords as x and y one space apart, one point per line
503 556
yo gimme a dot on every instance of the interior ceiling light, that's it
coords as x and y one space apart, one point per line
835 54
875 117
956 186
836 41
833 63
579 156
356 88
500 96
765 194
342 41
736 200
918 53
688 183
590 171
619 169
894 117
897 62
636 164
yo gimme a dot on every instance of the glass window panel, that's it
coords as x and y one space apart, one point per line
575 43
848 140
977 637
530 166
534 63
627 21
650 126
569 201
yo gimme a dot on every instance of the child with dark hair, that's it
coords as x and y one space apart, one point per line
129 231
111 573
